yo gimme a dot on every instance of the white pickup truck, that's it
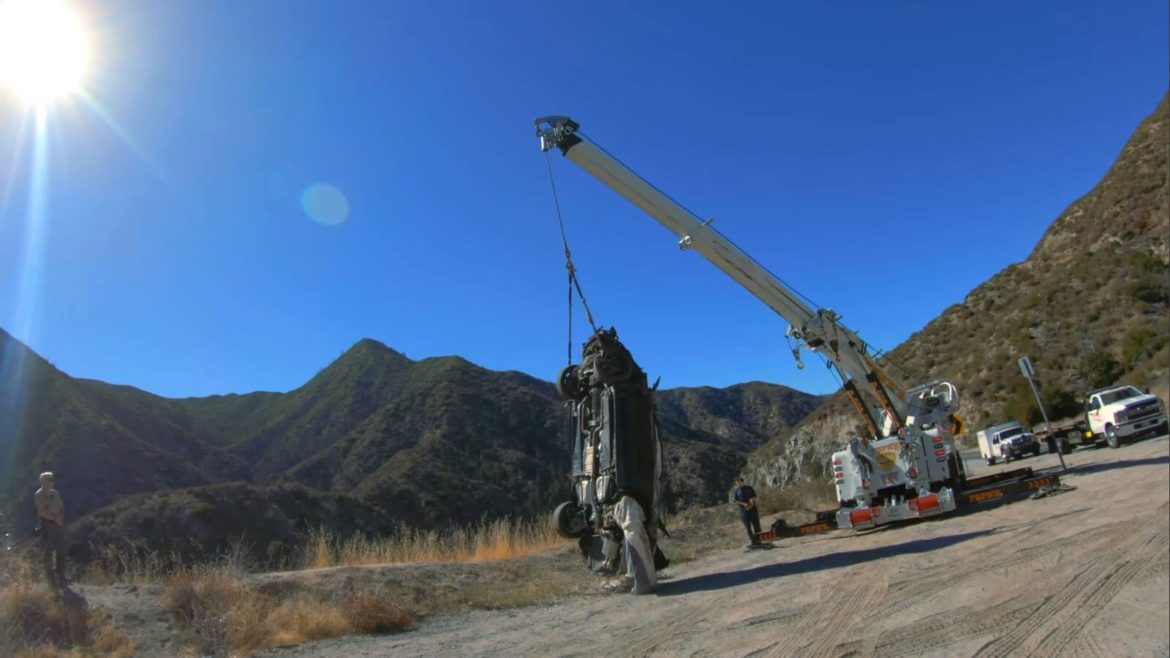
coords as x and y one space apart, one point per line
1007 442
1121 412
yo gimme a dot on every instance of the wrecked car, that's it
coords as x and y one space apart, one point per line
616 468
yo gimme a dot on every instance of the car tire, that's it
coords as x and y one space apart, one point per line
568 522
1111 437
1063 446
991 461
569 383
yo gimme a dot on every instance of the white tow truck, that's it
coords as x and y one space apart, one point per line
906 467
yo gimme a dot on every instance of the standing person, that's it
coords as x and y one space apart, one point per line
51 510
745 498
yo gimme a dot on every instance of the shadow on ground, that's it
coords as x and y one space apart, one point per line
723 580
1100 467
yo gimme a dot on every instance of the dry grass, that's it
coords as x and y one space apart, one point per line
222 615
117 564
700 531
495 540
34 623
134 564
805 496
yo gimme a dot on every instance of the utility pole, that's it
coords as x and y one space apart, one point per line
1030 375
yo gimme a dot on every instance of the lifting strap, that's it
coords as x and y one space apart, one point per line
574 283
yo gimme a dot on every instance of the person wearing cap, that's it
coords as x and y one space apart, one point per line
51 510
744 497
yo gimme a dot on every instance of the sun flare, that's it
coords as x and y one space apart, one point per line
43 50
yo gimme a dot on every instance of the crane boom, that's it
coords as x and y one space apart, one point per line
818 330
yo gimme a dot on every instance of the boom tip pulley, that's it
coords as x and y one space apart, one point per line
556 131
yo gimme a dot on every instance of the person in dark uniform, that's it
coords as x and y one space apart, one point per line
744 497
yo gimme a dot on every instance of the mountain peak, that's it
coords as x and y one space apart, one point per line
372 347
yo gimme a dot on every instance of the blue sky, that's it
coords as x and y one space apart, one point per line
882 158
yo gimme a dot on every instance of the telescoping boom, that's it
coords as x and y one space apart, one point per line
907 467
817 330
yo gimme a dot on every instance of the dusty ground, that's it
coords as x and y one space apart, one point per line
1084 573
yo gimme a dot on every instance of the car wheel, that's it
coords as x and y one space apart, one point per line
991 461
569 383
568 520
1063 446
1111 437
1036 451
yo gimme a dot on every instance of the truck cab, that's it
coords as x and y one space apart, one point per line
1121 412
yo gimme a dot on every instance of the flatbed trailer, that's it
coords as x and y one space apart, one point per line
1065 435
975 491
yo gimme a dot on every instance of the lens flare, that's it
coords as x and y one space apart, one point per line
325 204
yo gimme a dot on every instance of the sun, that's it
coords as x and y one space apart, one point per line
43 50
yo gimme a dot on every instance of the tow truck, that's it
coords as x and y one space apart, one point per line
906 466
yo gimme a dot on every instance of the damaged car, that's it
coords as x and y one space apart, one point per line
616 468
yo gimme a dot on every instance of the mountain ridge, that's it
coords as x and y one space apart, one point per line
1090 306
427 443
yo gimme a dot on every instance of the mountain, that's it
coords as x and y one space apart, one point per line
708 431
1090 306
371 441
106 441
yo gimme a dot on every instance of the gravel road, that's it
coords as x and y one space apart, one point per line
1083 573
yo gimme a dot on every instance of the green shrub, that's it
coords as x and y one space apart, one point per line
1101 369
1140 344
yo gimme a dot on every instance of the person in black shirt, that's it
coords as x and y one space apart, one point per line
745 499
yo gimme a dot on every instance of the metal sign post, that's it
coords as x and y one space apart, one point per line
1030 375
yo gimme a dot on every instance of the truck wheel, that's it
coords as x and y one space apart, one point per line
1063 446
1111 437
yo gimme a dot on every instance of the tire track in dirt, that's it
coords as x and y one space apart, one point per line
1074 624
1003 555
778 616
1087 647
659 634
936 631
828 620
950 626
1108 571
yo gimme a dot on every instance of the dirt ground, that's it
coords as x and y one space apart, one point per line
1083 573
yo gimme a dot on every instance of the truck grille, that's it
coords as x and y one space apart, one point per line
1139 411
